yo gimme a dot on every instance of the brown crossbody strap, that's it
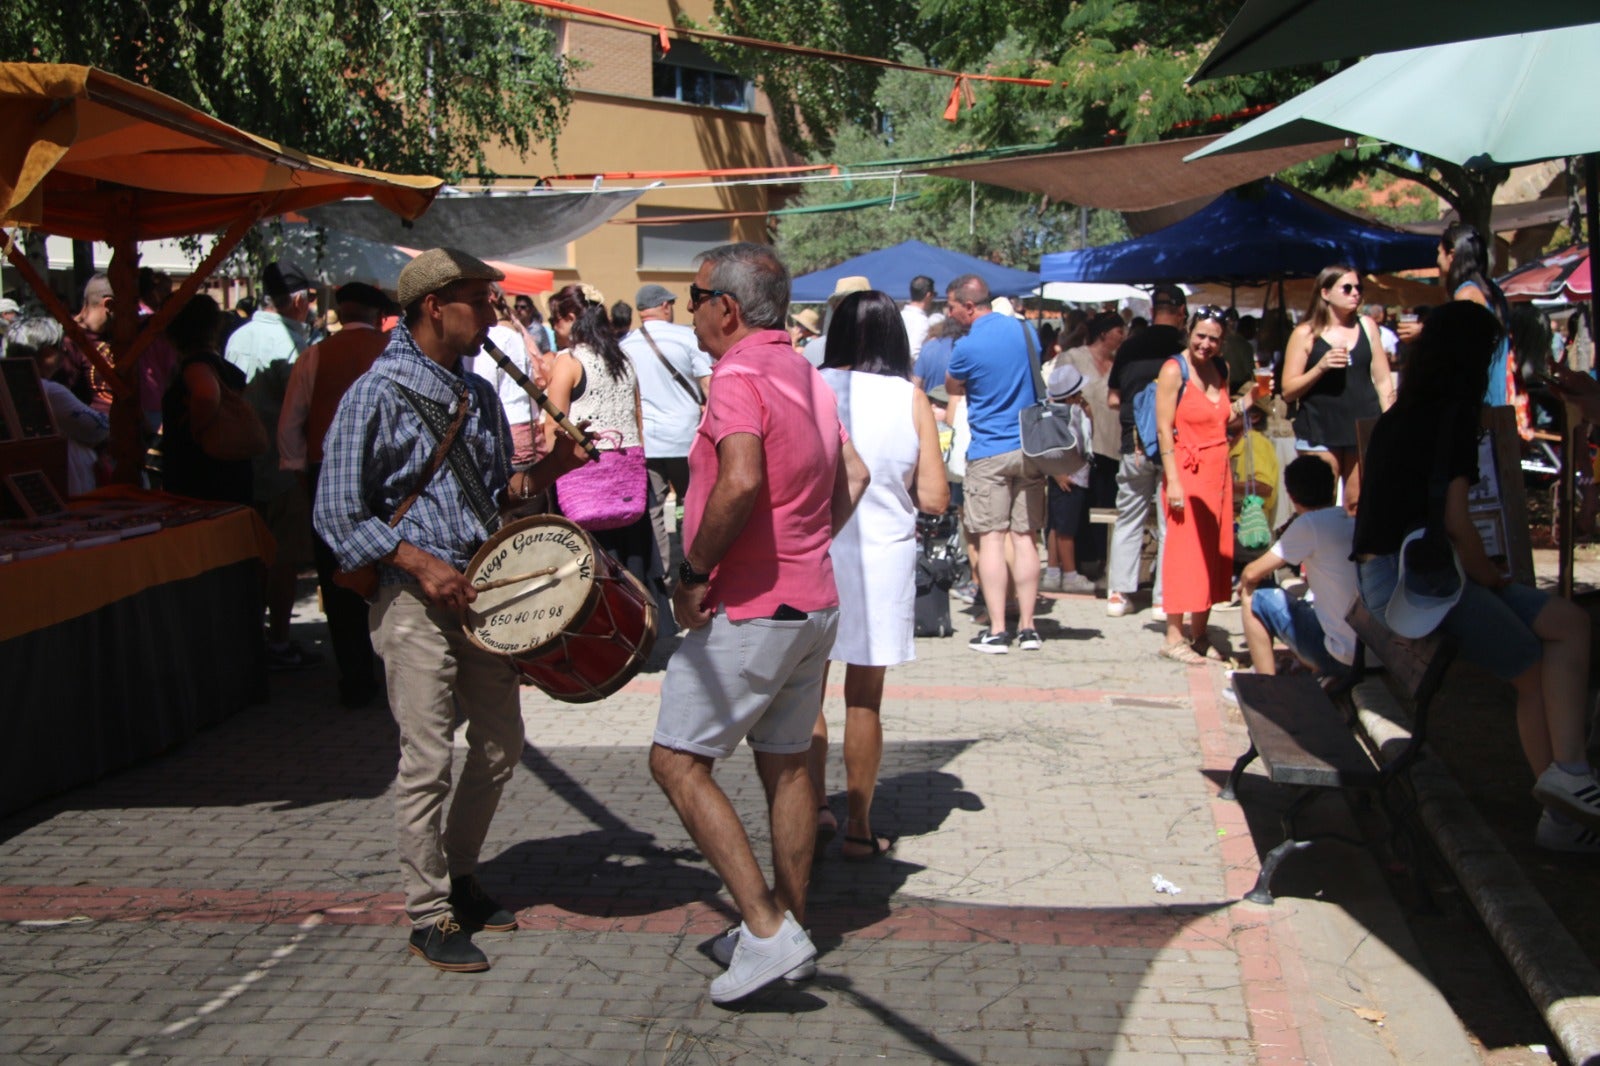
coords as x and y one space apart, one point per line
679 378
436 460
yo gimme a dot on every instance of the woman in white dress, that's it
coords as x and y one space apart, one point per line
890 422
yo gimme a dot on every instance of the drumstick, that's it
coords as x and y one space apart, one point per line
555 574
562 423
518 578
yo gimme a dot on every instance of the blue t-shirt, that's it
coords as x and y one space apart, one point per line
992 363
932 362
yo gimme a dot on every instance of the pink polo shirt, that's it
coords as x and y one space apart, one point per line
763 386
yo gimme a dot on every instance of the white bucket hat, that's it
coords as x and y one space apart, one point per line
1422 598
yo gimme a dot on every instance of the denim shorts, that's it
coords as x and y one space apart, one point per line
1294 621
1494 627
759 680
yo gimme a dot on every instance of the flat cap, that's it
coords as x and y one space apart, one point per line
653 296
284 276
438 267
359 292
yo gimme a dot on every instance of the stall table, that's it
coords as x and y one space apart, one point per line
112 654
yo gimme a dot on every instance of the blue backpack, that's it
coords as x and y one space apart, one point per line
1144 411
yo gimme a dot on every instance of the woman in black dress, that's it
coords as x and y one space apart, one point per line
1329 370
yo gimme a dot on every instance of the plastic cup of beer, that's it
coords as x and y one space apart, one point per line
1263 381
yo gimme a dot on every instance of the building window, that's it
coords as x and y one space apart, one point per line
673 245
689 75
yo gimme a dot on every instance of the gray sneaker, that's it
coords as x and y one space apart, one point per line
1075 583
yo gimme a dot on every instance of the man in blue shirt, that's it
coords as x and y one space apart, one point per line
376 454
1005 497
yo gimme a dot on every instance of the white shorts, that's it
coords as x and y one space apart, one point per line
758 680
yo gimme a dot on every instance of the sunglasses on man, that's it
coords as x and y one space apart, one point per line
698 296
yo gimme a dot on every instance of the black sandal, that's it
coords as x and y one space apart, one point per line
878 850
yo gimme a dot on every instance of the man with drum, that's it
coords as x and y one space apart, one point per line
772 476
384 442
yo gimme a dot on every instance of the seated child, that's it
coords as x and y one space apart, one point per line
1318 537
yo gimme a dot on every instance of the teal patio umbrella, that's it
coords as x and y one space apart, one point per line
1268 34
1496 101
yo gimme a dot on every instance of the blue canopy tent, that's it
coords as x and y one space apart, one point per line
1247 235
891 269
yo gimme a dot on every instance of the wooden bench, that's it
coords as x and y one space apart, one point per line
1305 740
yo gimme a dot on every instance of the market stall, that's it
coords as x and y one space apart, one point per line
132 619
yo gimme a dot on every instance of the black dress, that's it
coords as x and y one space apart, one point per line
185 467
1329 412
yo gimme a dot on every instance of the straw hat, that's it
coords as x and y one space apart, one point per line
845 286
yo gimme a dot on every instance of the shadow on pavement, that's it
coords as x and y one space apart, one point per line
287 754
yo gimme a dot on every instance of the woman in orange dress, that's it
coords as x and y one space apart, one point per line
1192 426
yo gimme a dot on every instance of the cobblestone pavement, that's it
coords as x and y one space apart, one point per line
238 898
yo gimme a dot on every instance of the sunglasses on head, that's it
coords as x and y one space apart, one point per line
698 296
1212 312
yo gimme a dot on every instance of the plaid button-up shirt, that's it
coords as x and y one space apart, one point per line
377 450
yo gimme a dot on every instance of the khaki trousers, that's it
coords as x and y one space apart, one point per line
432 670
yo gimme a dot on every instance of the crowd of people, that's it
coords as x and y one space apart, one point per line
799 448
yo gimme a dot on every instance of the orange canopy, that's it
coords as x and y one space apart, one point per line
89 155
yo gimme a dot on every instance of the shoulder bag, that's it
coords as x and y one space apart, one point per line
363 580
1048 439
684 382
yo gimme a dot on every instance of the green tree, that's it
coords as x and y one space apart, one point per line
1006 227
396 85
1120 66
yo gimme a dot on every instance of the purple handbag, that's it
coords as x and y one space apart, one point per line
609 493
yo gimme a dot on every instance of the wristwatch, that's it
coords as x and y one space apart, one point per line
688 575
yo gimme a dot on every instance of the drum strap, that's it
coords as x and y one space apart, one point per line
452 449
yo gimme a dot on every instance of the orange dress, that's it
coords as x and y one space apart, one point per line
1198 568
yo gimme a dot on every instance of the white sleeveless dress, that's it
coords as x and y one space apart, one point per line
875 554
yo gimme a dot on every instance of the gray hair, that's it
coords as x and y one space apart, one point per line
28 337
755 276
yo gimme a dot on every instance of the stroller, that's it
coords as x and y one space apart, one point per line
941 565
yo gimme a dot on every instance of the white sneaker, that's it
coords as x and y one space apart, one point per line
722 955
1574 836
1576 795
756 963
1157 613
1116 604
1050 582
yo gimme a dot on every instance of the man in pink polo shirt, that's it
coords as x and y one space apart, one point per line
772 476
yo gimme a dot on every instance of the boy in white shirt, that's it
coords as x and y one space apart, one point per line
1318 537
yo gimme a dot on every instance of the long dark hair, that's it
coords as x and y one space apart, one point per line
591 328
1319 314
867 334
1469 262
1449 363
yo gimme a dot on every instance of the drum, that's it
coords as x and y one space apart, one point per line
575 623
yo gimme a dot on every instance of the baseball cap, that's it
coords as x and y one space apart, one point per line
1425 589
653 296
1168 296
8 306
438 267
